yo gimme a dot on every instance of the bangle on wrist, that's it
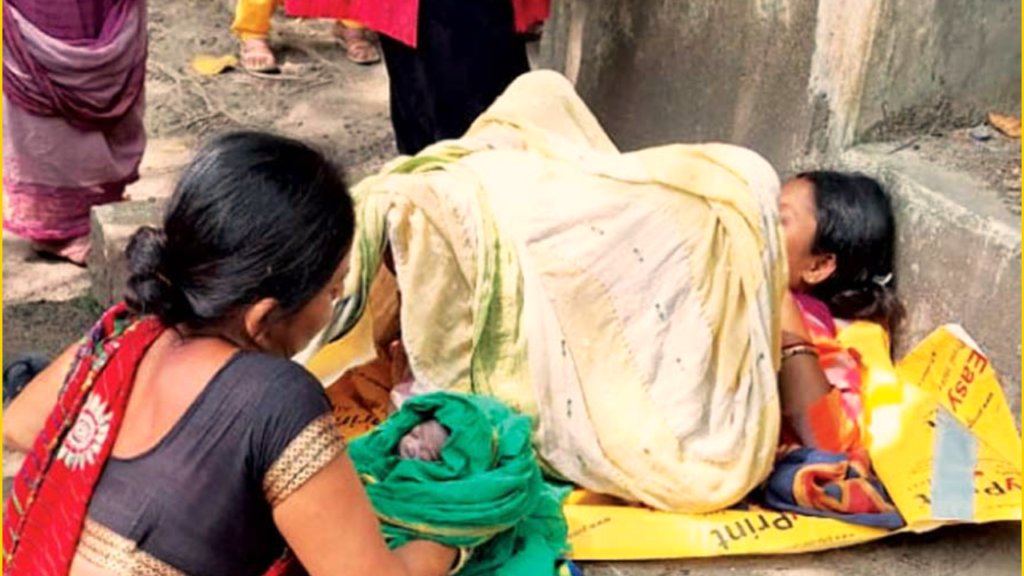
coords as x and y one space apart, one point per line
461 560
797 350
795 343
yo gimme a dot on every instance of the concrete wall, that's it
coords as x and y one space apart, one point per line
945 61
798 80
734 71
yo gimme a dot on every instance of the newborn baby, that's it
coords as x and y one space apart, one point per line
424 442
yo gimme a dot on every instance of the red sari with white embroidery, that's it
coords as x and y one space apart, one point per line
46 513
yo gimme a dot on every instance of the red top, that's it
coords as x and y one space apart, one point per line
397 18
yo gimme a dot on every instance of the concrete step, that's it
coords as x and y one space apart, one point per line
959 241
112 227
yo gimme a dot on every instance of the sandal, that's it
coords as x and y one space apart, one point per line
359 43
256 56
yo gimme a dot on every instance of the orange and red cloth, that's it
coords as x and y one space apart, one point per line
835 479
398 19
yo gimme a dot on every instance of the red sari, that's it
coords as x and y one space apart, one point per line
46 513
398 18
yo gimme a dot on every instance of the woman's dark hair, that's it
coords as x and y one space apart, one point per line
855 223
253 216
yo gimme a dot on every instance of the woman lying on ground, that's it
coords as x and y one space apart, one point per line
840 240
184 441
839 232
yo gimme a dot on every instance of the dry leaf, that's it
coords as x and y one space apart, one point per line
1006 124
213 65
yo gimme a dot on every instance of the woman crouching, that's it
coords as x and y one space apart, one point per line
183 439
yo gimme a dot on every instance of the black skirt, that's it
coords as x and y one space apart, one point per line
468 52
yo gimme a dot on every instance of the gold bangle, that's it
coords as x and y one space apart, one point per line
807 349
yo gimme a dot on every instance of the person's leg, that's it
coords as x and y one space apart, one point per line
252 26
359 42
412 105
474 54
468 53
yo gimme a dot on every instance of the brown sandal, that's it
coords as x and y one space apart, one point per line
256 56
360 45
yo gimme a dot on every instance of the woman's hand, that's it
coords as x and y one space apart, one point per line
802 382
330 525
25 417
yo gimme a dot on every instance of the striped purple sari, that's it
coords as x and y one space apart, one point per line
73 80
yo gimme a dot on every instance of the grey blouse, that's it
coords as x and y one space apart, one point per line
200 502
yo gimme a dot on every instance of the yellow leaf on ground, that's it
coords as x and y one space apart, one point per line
212 65
1008 125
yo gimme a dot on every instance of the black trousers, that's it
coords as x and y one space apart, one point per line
467 54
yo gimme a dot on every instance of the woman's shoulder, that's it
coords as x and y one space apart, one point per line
293 431
275 391
263 372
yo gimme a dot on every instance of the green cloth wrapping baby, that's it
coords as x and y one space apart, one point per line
483 491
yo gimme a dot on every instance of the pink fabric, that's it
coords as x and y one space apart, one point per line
73 100
91 82
54 173
398 18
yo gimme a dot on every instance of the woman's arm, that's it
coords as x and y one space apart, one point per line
330 525
27 414
802 382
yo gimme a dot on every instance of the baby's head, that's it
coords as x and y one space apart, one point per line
840 242
424 442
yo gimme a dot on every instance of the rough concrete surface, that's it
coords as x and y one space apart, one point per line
941 62
992 550
112 228
690 71
958 253
791 79
961 551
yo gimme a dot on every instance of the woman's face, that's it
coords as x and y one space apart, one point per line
797 209
292 334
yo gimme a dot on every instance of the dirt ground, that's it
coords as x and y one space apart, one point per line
320 97
995 161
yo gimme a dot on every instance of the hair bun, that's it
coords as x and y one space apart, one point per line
149 289
870 300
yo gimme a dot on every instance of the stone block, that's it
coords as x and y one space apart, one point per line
112 228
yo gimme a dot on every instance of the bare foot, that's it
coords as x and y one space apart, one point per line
75 251
257 56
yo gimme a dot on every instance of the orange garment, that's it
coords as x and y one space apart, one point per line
361 398
836 419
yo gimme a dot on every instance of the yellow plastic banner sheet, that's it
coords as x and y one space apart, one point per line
941 436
